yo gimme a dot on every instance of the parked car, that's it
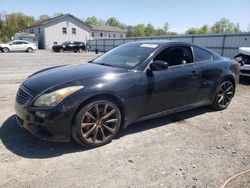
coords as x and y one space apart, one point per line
244 59
74 46
18 45
133 82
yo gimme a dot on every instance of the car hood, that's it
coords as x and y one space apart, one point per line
47 79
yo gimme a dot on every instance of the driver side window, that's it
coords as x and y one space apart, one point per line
175 55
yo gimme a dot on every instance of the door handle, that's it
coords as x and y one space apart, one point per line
194 74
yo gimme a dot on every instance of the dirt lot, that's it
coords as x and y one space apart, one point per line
197 148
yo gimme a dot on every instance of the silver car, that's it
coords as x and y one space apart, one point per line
244 59
18 45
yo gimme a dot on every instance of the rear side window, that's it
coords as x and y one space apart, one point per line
201 55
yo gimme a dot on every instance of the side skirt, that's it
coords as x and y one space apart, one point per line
172 111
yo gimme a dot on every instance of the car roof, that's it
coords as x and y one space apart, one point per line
20 41
163 43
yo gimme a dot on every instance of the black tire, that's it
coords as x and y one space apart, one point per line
5 50
224 95
61 50
29 50
80 50
91 126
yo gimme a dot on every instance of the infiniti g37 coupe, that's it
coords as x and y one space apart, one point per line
136 81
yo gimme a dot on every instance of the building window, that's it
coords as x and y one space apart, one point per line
74 31
101 34
109 35
92 34
39 30
121 35
114 35
64 30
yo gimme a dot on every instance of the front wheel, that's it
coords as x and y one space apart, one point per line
97 123
29 50
224 95
80 50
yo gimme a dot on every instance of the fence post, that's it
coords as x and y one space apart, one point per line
223 45
193 39
104 45
95 44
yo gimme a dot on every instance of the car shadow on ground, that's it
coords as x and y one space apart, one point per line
22 143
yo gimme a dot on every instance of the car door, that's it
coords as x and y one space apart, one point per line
210 73
70 46
15 46
175 87
24 46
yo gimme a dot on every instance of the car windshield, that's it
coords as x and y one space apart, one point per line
127 55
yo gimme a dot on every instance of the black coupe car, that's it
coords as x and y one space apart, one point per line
136 81
74 46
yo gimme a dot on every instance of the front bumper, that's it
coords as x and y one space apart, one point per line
245 70
46 124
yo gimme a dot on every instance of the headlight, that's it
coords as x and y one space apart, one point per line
55 97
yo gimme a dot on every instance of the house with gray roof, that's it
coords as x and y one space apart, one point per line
60 29
102 32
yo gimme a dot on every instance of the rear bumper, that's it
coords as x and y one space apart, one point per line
46 124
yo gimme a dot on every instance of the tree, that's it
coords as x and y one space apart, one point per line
112 21
159 32
149 30
43 18
166 26
58 14
224 26
139 30
130 30
91 21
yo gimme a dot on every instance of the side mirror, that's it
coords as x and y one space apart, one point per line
158 65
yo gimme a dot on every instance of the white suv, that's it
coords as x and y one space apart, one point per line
244 59
18 45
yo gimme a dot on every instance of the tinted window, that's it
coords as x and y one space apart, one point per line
175 55
201 55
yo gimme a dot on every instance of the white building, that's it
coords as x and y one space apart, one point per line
102 32
60 29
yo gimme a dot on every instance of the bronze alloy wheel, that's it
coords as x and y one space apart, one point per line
99 123
224 95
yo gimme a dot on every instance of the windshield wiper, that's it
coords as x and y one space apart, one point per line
105 64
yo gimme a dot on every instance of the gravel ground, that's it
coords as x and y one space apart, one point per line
196 148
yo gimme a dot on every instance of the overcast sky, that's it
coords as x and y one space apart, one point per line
181 14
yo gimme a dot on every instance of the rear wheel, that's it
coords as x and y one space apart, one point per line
97 123
224 95
29 50
5 50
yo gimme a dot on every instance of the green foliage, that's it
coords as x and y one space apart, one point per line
13 23
149 30
166 26
139 30
91 21
112 22
224 26
221 26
